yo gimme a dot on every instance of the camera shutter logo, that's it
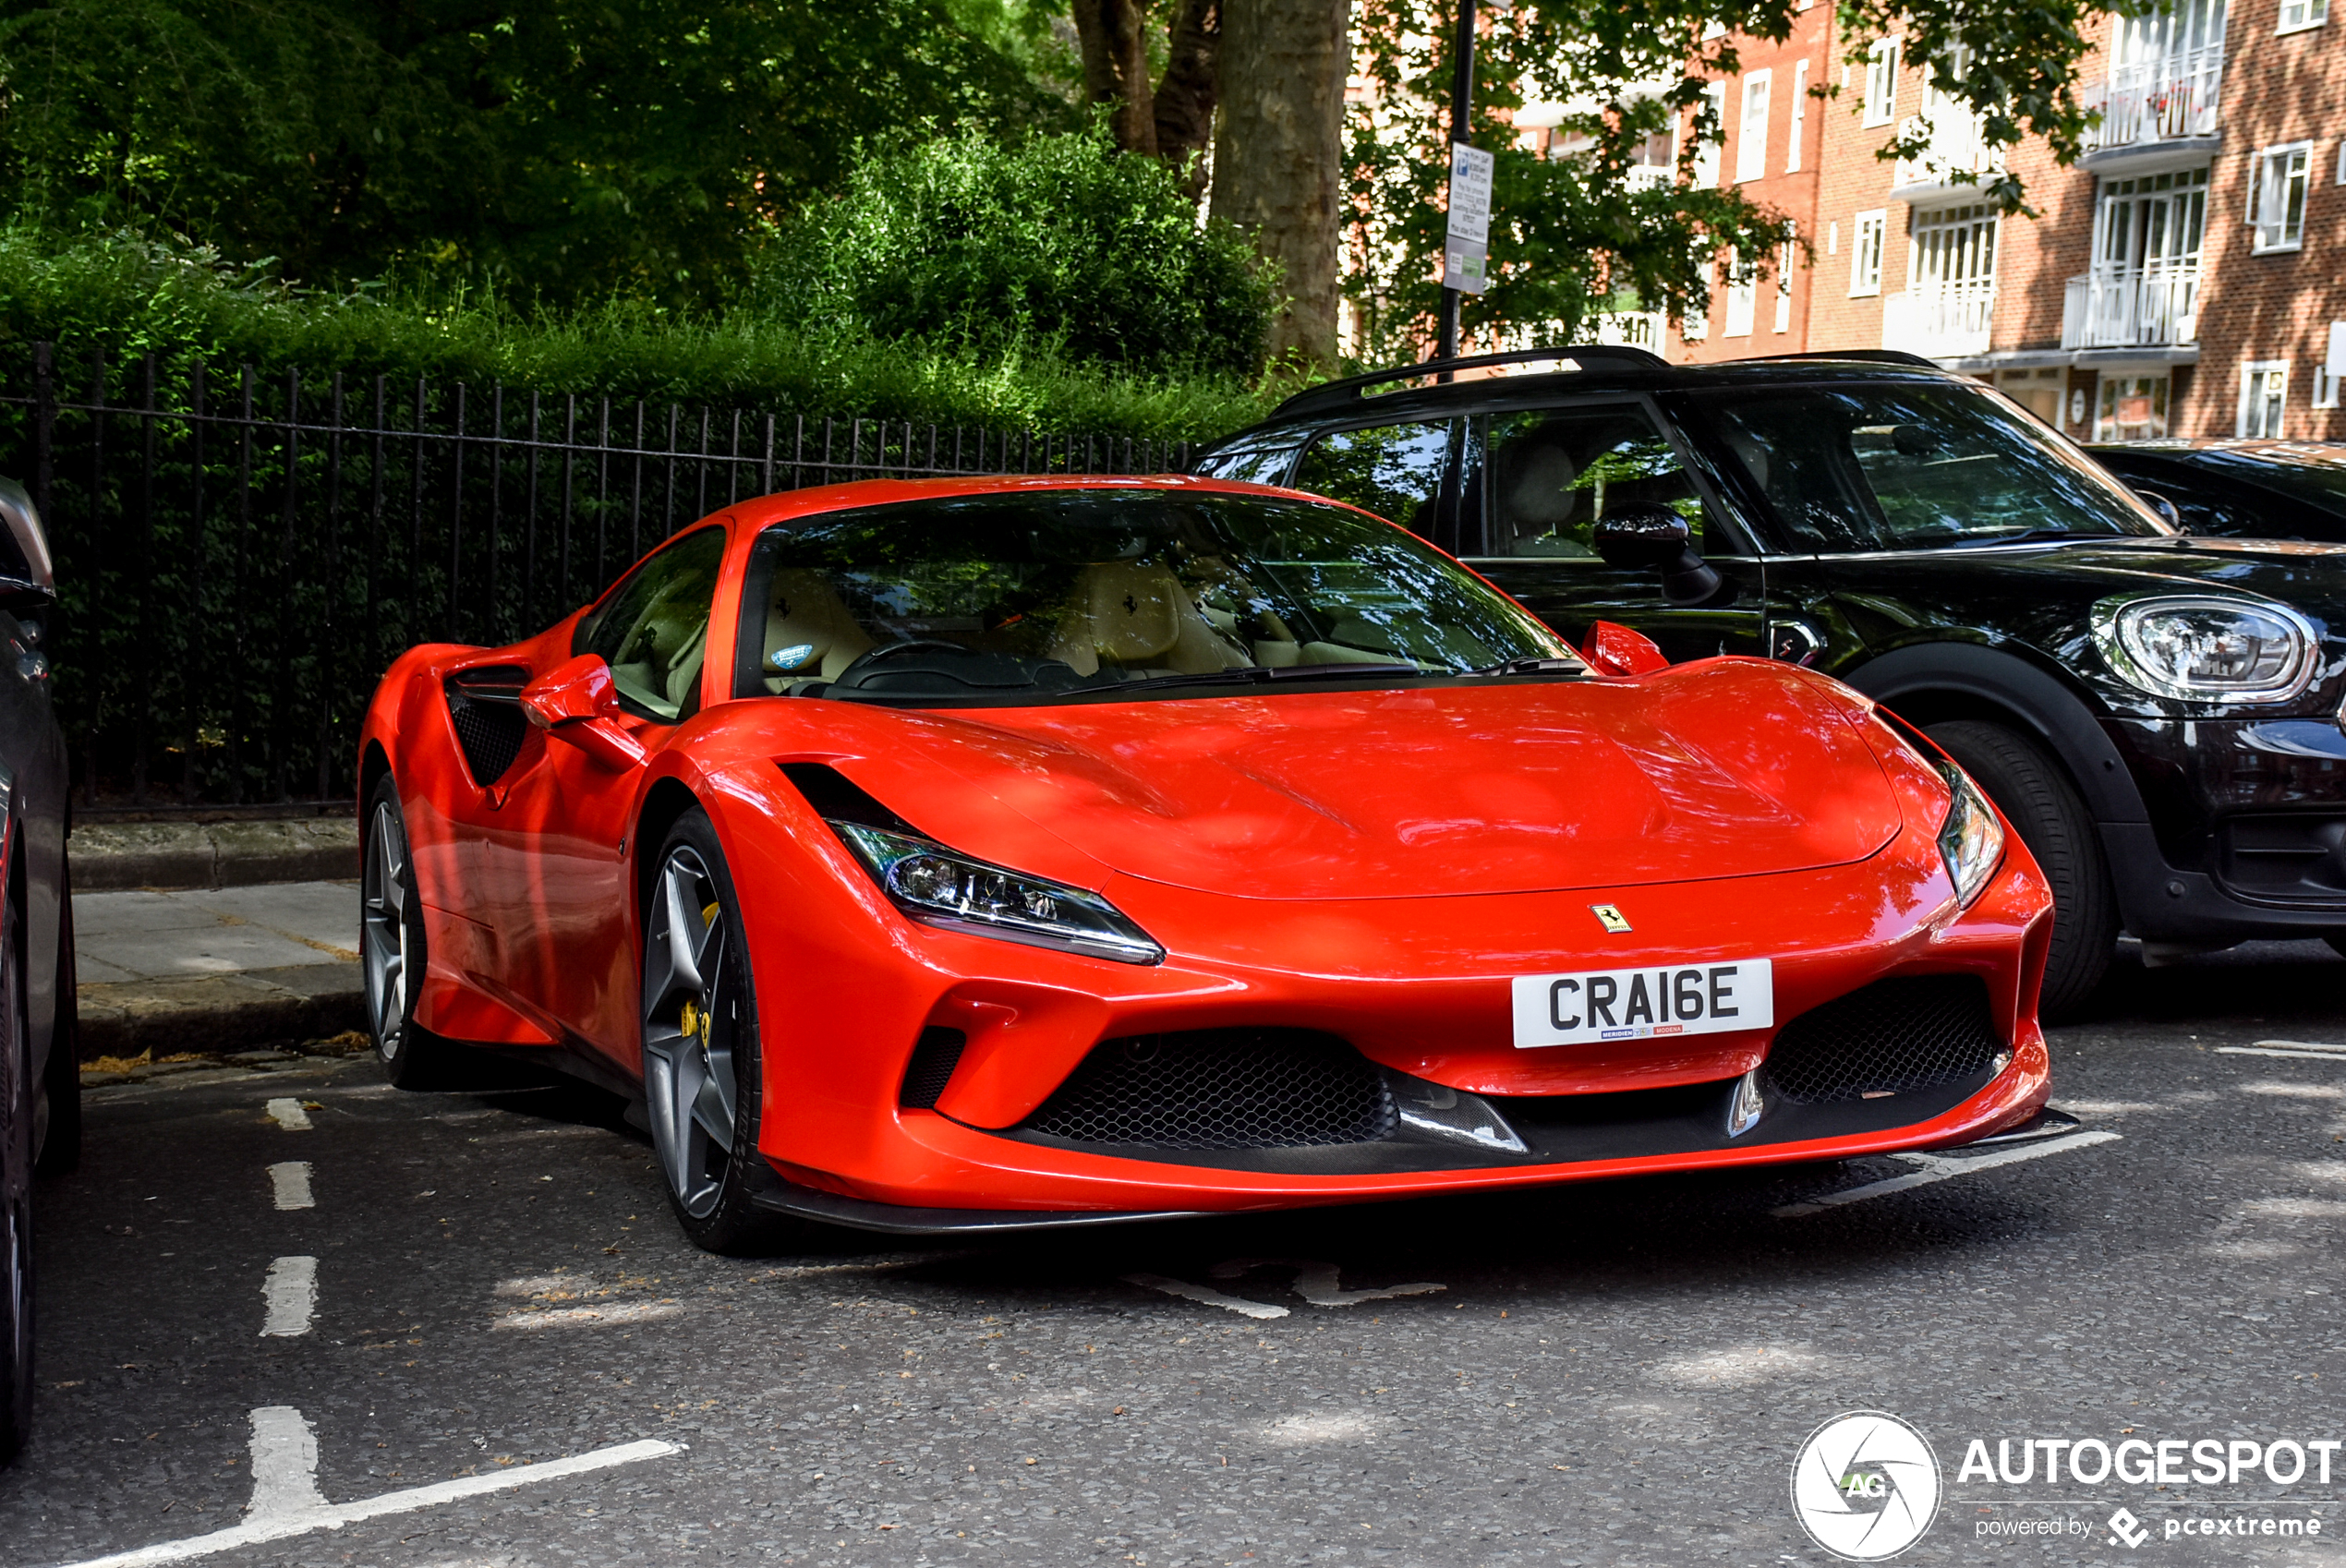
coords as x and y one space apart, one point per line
1864 1486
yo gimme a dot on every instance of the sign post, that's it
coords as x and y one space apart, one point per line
1454 273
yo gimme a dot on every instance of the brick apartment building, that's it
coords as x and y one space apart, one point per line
2186 277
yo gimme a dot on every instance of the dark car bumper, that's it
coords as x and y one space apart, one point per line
2246 834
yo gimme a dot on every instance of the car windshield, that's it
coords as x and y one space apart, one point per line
1901 466
1043 595
2314 475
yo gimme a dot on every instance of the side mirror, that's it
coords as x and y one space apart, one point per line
1648 536
1612 649
2165 509
576 702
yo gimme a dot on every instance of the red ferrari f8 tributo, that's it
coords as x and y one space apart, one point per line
983 853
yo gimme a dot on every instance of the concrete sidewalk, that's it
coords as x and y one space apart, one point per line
216 970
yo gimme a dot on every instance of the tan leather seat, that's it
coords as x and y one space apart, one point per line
1137 615
807 613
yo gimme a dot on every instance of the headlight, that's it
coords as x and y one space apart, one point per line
1971 841
2205 648
933 884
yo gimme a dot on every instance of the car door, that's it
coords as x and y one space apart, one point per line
552 852
1534 484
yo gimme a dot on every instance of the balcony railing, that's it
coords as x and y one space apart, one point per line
1940 323
2132 308
1626 329
1955 148
2164 99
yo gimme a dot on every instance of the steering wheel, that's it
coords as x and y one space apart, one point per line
887 651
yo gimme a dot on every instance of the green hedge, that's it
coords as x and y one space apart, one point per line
136 297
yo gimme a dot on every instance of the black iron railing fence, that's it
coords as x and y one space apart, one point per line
241 555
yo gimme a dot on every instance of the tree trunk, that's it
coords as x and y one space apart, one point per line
1114 41
1186 92
1278 160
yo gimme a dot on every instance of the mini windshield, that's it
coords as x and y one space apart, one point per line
1045 595
1901 465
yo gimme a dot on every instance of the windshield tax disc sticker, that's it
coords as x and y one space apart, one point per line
1864 1486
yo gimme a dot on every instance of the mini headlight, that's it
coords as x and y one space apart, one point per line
2203 648
935 886
1971 840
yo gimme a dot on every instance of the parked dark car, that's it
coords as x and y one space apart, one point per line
2157 713
40 1079
2241 489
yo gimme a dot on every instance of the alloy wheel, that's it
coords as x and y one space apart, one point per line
383 929
689 1090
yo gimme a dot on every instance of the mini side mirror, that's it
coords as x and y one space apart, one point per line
576 702
1647 537
2165 509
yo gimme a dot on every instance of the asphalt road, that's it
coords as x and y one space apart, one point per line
1612 1374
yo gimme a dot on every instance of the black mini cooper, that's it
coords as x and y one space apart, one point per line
2159 715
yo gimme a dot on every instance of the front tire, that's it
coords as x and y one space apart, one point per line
2045 809
392 955
703 1071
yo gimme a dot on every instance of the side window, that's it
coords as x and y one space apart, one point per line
1396 471
653 630
1550 474
1253 466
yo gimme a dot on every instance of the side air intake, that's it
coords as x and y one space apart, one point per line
1220 1088
1899 1034
485 706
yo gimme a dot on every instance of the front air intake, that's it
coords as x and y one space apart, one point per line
1905 1034
1220 1088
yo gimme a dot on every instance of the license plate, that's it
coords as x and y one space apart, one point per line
1638 1004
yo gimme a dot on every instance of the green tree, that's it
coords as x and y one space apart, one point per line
555 150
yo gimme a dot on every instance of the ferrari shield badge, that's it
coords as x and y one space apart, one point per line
1611 918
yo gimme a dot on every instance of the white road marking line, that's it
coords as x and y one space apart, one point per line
1318 1282
288 1114
291 1180
285 1499
290 1291
284 1463
1939 1167
1199 1294
2284 1048
562 1316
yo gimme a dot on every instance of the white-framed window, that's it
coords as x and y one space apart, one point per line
1743 297
1882 82
2331 368
1800 122
2131 408
2277 181
1706 149
1693 328
2297 16
1713 29
1751 135
1832 238
2264 396
1864 251
2341 163
1784 280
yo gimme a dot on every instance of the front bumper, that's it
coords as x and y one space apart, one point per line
2246 836
1440 1024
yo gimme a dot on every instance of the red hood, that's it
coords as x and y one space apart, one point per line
1727 768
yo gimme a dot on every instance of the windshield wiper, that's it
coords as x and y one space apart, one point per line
1257 674
2025 535
1542 665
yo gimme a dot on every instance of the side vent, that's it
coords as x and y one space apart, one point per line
839 798
485 706
934 1060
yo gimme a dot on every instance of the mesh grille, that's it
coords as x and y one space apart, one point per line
484 707
934 1060
1220 1088
1886 1038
